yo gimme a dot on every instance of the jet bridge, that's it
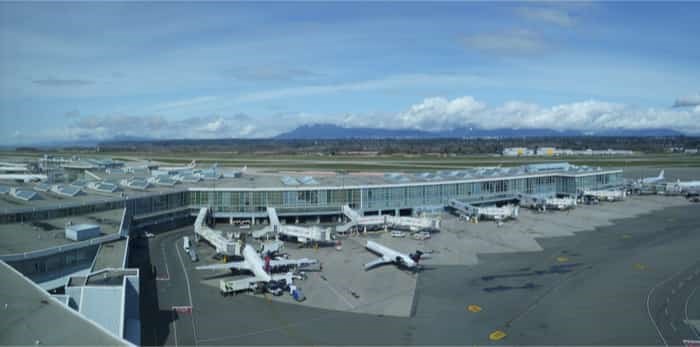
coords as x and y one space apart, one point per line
607 195
491 212
544 203
223 245
386 221
312 234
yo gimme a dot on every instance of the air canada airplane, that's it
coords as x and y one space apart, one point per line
389 255
261 269
189 166
652 180
23 177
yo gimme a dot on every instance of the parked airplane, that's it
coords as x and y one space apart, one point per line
652 180
261 269
23 177
389 255
682 187
189 166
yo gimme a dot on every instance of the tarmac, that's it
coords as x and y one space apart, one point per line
605 286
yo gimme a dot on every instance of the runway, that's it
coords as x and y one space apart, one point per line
611 286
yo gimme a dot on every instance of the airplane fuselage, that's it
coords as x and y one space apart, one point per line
397 257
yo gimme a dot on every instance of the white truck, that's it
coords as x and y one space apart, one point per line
235 286
186 244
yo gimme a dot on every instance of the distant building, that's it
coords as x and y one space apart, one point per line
547 151
517 152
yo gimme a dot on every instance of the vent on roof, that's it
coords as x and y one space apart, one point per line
105 187
66 190
165 181
307 180
137 183
79 183
25 195
396 177
289 181
42 187
189 178
210 174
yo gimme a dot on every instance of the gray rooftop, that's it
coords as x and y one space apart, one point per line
25 237
30 311
287 180
110 255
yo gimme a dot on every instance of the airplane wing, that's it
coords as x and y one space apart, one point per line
238 265
377 262
287 277
294 262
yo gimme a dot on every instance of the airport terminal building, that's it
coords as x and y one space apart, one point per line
248 196
38 221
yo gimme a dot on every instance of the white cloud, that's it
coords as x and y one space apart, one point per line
591 115
432 114
689 100
391 82
547 15
516 42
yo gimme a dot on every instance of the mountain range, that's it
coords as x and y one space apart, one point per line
332 131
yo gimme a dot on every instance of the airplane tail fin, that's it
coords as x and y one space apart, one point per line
416 256
193 163
661 174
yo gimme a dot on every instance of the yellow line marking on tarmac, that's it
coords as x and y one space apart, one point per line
562 259
640 266
474 308
626 236
497 335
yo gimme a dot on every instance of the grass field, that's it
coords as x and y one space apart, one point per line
396 162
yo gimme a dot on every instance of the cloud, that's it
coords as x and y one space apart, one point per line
547 15
72 114
269 73
388 83
185 102
591 115
687 101
56 82
434 114
518 42
106 127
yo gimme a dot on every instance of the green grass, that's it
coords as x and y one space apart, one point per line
397 162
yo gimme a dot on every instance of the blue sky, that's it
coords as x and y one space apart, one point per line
97 70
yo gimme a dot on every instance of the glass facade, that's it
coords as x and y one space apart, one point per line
397 196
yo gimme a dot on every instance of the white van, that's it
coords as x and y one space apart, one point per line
186 243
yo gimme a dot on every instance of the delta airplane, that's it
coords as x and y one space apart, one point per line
261 269
389 255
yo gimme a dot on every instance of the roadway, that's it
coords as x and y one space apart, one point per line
630 283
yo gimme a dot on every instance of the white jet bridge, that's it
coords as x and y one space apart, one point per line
386 222
490 212
312 234
544 203
223 245
607 195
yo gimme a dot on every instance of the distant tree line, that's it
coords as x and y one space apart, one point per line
446 146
